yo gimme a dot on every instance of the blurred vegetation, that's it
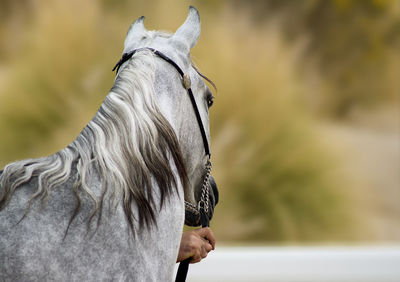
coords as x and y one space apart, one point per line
352 44
270 164
274 63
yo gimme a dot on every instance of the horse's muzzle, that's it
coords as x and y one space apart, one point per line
193 218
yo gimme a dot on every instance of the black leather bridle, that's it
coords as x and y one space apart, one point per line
203 205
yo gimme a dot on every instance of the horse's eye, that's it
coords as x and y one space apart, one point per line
210 99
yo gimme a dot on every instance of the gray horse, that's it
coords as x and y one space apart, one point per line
111 205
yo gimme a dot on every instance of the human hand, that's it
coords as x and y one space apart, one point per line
196 244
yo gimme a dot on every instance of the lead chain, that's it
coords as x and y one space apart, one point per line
205 192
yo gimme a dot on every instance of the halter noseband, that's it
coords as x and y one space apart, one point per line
203 205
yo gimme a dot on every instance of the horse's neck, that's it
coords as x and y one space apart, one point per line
109 254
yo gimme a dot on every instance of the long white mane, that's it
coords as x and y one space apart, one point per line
128 144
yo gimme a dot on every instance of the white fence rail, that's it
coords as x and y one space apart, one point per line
295 264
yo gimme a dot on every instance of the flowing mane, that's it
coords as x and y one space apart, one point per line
129 144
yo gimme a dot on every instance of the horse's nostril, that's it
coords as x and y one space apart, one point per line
214 189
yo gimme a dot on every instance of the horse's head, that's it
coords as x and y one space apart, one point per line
176 78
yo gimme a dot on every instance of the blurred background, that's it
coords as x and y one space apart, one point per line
306 120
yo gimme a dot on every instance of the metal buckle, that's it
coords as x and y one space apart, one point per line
186 81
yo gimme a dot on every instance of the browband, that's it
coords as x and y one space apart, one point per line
186 83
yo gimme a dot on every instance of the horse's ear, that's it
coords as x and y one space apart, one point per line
189 32
135 34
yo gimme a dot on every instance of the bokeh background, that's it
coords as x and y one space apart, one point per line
306 120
